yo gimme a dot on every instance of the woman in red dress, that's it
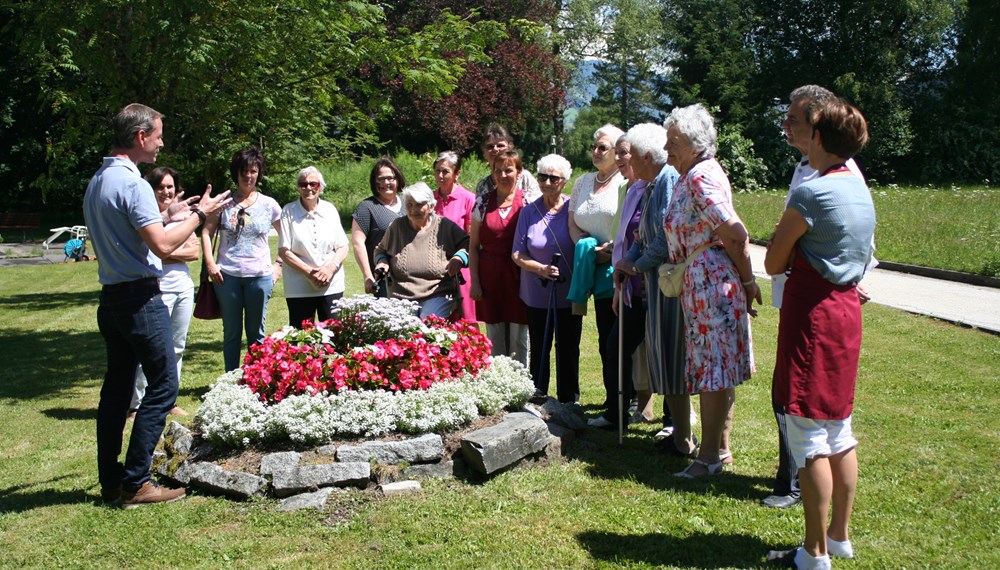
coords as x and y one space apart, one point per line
495 278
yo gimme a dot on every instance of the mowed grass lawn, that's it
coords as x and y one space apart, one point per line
929 495
947 228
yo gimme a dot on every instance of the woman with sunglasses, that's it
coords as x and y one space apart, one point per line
242 274
313 245
543 249
372 218
593 207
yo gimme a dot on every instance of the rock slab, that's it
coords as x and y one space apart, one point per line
211 477
315 500
429 447
281 460
496 447
442 470
306 477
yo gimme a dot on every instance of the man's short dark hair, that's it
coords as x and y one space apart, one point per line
132 119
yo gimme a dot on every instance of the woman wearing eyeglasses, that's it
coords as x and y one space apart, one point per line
313 245
593 207
543 249
242 274
372 218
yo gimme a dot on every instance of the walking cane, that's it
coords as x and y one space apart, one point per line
621 362
550 326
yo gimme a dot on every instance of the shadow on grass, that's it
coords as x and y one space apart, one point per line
48 362
43 302
636 460
695 551
71 414
21 498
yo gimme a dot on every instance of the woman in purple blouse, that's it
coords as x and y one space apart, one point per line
543 249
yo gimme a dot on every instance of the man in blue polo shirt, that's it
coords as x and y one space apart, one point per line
129 237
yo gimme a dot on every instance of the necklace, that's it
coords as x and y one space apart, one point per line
605 181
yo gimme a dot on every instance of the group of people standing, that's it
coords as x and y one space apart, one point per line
521 257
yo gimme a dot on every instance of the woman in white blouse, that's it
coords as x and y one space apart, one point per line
593 207
313 245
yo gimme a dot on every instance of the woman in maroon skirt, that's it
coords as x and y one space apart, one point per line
823 243
496 280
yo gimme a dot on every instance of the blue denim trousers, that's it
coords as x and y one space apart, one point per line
136 328
243 301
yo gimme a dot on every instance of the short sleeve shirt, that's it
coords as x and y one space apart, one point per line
539 235
243 248
117 203
315 238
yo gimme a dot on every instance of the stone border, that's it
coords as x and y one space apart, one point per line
306 479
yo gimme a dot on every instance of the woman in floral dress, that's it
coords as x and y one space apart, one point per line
719 286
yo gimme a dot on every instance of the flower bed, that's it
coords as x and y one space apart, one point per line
374 369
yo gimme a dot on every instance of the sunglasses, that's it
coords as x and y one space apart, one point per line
600 147
312 185
241 220
549 178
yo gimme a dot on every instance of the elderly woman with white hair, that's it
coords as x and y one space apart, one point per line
423 254
313 245
702 227
543 249
593 208
664 320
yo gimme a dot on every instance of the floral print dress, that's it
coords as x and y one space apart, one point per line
718 348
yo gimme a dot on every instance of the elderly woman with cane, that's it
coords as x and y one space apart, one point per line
824 241
424 253
543 249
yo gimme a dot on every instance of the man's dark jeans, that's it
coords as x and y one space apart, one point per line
136 328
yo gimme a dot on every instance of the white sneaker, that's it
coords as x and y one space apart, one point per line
599 422
664 433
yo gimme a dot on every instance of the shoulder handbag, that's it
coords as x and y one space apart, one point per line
206 304
672 274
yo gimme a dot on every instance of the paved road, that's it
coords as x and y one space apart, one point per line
969 305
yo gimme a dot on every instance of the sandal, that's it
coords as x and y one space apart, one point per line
710 469
726 457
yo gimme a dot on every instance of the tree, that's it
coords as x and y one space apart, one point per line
632 57
520 83
284 77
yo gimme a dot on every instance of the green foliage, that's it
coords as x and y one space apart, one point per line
303 80
746 171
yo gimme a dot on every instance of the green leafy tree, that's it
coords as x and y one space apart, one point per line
301 79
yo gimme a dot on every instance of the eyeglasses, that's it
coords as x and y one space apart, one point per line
310 184
385 179
549 178
600 146
497 146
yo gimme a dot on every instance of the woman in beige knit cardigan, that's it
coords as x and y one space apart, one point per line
423 254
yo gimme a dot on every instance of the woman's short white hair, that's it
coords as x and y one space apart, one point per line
555 162
610 131
648 138
419 193
697 125
312 170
